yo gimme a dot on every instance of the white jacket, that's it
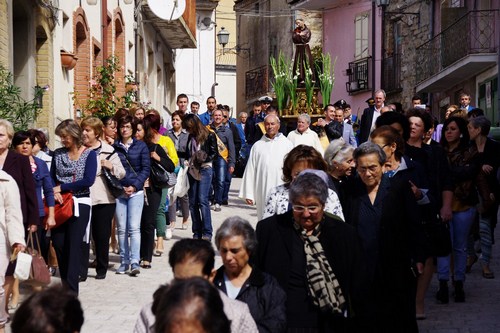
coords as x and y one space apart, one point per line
11 216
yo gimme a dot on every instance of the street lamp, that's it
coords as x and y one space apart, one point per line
223 39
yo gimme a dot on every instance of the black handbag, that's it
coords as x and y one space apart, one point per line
438 236
160 177
113 183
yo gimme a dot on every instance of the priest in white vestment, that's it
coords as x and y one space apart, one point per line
303 135
265 163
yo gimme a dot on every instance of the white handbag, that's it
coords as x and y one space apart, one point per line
23 266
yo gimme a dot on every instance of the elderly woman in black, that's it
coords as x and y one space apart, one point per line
236 242
386 218
316 259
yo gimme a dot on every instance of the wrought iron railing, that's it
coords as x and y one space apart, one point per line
391 73
358 75
256 82
473 33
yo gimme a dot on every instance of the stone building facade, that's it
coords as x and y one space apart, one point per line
34 33
265 28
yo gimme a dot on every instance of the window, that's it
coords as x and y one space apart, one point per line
361 38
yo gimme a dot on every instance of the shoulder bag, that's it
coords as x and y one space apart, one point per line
40 274
113 183
159 176
62 212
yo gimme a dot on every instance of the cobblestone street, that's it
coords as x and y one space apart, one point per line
113 304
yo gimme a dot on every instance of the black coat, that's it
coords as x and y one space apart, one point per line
18 166
264 297
400 243
280 246
365 125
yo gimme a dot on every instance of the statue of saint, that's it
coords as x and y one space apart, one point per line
301 37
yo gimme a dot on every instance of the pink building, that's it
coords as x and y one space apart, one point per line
352 33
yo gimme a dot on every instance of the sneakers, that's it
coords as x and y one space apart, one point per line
122 269
179 213
136 270
217 208
168 233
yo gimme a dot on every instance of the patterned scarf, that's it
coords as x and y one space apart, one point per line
323 285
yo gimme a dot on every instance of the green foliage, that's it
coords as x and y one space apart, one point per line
281 69
101 100
21 113
326 76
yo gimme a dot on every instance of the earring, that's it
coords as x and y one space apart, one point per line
461 136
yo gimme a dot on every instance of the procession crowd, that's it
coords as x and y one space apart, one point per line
354 215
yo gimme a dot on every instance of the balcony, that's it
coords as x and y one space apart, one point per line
358 76
391 73
178 34
256 82
464 49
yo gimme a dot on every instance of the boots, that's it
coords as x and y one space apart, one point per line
459 292
442 294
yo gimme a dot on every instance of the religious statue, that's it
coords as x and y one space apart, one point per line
301 37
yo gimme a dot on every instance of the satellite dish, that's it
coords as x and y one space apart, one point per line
167 9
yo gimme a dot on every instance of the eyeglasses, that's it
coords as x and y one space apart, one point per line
370 169
310 209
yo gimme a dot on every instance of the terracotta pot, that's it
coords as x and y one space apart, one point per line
68 60
130 86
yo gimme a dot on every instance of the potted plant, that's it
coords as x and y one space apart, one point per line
21 113
68 60
130 83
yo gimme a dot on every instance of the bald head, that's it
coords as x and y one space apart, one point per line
272 125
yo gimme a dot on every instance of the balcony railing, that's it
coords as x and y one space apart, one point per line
358 76
473 33
256 82
391 73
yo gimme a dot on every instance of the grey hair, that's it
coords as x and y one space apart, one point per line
237 226
379 91
305 116
481 122
338 151
8 128
308 185
368 148
273 115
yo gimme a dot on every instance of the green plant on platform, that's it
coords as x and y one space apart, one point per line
101 100
281 69
292 83
309 83
326 76
21 113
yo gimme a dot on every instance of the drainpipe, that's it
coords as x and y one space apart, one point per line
104 23
136 48
373 46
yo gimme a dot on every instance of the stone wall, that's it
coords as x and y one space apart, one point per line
414 31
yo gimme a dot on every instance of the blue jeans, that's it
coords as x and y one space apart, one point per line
227 185
219 176
486 239
459 228
199 204
128 220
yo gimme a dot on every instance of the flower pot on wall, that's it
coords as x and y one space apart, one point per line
131 86
68 60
